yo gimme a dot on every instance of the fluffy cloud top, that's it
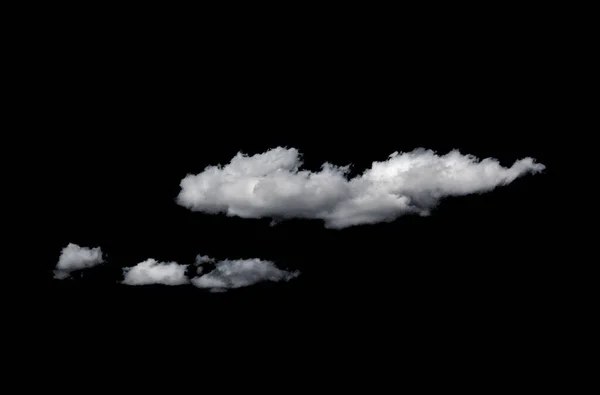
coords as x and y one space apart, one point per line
239 273
272 185
153 272
74 257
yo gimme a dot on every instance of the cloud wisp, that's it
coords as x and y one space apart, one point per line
238 273
74 258
272 185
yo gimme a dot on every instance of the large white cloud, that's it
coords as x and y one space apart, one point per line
153 272
239 273
74 257
272 185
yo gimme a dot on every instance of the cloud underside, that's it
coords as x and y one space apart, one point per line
272 185
75 258
226 274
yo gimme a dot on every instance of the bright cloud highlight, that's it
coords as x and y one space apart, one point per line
153 272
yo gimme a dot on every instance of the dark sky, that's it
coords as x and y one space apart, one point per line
124 119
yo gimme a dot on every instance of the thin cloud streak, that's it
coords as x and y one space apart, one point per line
224 275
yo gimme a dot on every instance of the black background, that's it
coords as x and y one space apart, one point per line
125 112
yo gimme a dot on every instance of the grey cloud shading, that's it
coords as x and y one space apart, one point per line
74 257
153 272
272 185
200 259
238 273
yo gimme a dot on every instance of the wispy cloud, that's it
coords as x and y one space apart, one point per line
272 185
73 258
239 273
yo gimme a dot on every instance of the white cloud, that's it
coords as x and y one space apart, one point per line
272 185
200 259
153 272
226 274
74 257
240 273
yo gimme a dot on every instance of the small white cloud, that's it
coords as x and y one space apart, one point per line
200 259
153 272
241 273
74 257
272 185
